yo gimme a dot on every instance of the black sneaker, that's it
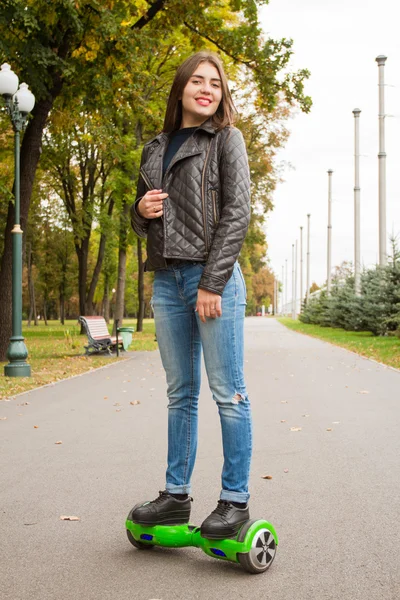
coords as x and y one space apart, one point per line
164 510
224 522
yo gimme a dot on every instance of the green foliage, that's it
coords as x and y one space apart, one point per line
377 309
106 73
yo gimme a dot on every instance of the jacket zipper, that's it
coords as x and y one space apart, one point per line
203 200
146 179
214 199
149 185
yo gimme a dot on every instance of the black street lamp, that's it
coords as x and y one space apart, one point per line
19 103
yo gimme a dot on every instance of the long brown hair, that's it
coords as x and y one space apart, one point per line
226 111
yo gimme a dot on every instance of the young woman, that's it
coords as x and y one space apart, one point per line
193 205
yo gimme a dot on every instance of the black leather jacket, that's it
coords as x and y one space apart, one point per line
207 213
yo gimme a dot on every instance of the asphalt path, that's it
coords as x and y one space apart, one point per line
334 496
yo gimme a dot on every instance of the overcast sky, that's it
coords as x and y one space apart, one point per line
338 41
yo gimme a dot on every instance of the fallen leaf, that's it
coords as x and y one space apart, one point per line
105 397
36 426
3 418
117 410
286 470
134 402
295 429
283 420
329 429
58 442
64 518
266 476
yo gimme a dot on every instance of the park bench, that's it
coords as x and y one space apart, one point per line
99 337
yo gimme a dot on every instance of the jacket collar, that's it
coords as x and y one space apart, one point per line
206 126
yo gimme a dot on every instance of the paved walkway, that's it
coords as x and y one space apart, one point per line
336 510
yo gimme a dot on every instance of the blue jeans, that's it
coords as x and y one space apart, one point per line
181 336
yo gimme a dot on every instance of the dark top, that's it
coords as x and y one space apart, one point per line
175 142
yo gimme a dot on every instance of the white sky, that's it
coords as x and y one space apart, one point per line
338 41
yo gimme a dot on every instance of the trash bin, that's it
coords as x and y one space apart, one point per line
126 335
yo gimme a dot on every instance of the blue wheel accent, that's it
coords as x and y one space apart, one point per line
146 536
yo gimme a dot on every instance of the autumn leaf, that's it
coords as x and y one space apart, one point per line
134 402
64 518
266 476
295 429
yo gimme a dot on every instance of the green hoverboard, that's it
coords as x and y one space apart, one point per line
254 546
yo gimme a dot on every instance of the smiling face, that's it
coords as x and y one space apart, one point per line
201 95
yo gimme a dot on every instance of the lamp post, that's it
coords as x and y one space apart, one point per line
329 267
19 103
382 162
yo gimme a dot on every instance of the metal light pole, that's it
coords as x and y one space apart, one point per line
357 275
19 102
295 283
301 266
328 286
286 288
308 259
274 297
382 163
293 307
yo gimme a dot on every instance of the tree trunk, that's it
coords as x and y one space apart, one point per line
45 311
31 288
106 299
96 274
82 253
139 323
123 242
30 154
62 305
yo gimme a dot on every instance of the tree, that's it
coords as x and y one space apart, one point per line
94 48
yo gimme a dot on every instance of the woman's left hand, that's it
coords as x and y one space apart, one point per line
208 305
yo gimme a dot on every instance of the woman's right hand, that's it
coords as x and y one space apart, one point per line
151 205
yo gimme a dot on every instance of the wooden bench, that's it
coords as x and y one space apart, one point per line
98 336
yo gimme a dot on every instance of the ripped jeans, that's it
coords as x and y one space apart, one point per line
181 337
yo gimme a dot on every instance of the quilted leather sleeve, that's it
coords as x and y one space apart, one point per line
139 224
235 214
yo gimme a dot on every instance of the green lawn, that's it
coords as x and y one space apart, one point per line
383 349
57 352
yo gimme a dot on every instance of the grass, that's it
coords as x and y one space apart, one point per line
384 349
57 352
